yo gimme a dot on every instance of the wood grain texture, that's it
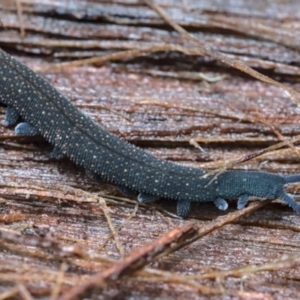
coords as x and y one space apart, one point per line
230 119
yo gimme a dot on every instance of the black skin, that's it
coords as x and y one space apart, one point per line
48 113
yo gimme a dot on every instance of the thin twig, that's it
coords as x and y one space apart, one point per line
111 226
134 261
59 281
9 294
20 16
208 51
168 243
24 293
120 226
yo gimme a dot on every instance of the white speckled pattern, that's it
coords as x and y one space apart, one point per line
76 136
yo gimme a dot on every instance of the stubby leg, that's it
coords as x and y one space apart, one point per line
221 204
242 202
26 129
56 153
183 208
96 176
126 190
11 116
143 197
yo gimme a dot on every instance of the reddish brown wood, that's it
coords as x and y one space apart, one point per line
54 215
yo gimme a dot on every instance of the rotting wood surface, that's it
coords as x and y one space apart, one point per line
59 227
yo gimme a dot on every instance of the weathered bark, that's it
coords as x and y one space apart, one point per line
59 226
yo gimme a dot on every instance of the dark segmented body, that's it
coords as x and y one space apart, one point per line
115 160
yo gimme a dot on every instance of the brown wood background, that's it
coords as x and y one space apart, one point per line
55 231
